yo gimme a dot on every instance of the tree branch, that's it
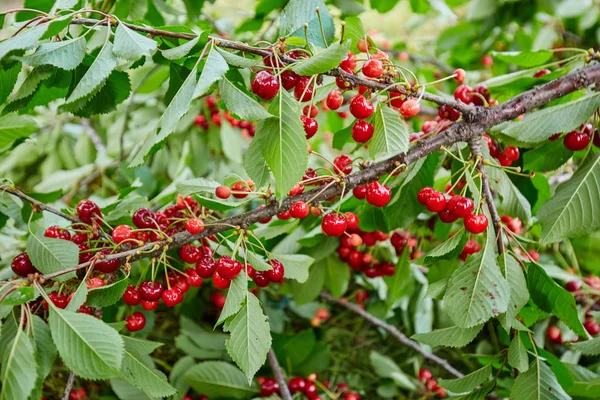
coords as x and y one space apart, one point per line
69 386
394 332
37 205
284 391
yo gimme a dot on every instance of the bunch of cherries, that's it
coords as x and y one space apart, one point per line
579 139
247 127
505 157
305 386
363 260
431 386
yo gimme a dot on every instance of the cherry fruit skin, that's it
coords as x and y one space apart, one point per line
194 226
348 64
172 297
303 92
220 282
352 220
592 327
512 153
241 188
310 126
334 100
377 194
122 233
459 75
277 273
424 194
222 192
410 108
192 277
265 85
360 107
554 335
576 141
289 79
22 266
436 202
372 68
144 218
57 232
150 291
149 305
135 322
476 223
299 210
362 131
131 296
447 216
189 253
88 211
342 164
360 192
573 286
296 385
107 266
206 266
228 268
461 206
334 224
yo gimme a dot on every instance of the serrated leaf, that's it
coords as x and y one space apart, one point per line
52 255
477 291
337 275
547 157
573 210
538 126
235 297
219 379
513 201
525 59
44 349
385 367
8 80
437 289
468 382
589 347
67 54
250 339
391 133
130 45
13 127
89 348
539 383
517 354
296 266
449 337
273 230
448 249
196 185
23 41
323 61
107 295
479 394
180 51
553 298
283 143
18 371
255 165
63 5
400 283
354 30
214 69
221 205
94 78
237 61
299 12
241 104
78 298
519 295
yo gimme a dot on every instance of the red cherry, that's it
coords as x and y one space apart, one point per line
360 192
135 321
56 232
194 226
296 385
447 216
205 267
94 283
277 273
396 99
573 286
362 131
228 268
463 93
351 396
504 160
576 140
360 107
410 108
150 291
22 266
554 335
149 304
299 210
189 253
476 223
461 206
512 153
78 394
88 211
218 299
541 73
459 75
348 64
223 192
449 113
144 219
487 60
334 224
131 296
436 202
107 266
373 68
303 91
265 85
424 194
592 327
269 387
172 297
289 79
200 121
352 220
334 100
424 375
241 188
220 282
377 194
596 138
284 216
192 277
310 126
311 112
260 279
342 164
122 233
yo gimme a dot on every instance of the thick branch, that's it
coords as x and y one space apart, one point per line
284 391
394 332
37 205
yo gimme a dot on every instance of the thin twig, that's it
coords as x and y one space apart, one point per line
69 386
37 205
93 135
284 391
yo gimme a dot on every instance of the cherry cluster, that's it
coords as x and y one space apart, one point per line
454 208
239 190
247 127
579 139
321 314
431 386
505 157
306 387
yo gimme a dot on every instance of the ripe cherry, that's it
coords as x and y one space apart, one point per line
189 253
303 91
310 126
150 291
269 387
424 194
289 79
265 85
464 93
424 375
348 64
541 73
377 194
554 335
396 99
122 233
22 266
299 210
94 283
205 267
334 100
310 111
194 226
476 223
277 273
296 385
373 68
592 327
228 268
410 108
362 131
576 140
448 113
56 232
284 216
172 297
78 394
241 188
131 296
334 224
220 282
222 192
459 75
360 107
460 206
573 286
447 216
512 153
107 266
88 211
260 279
149 304
144 218
436 202
352 220
218 299
135 321
360 192
342 164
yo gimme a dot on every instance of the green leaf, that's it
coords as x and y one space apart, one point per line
547 157
78 298
539 125
67 54
130 45
214 69
219 379
308 291
250 339
437 289
107 295
573 210
468 382
23 41
299 12
276 229
237 61
13 127
513 201
589 347
553 298
400 283
231 143
449 249
283 143
8 80
196 185
478 394
477 291
525 59
323 61
391 133
519 295
517 354
241 104
295 265
337 275
539 383
235 297
354 31
180 51
255 165
177 375
94 78
19 369
89 348
45 351
383 6
18 296
385 367
52 255
449 337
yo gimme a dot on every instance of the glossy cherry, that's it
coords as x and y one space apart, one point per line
362 131
461 206
107 266
150 291
303 91
228 268
360 107
576 140
410 108
334 224
131 296
88 211
342 164
172 297
276 273
56 232
265 85
189 253
476 223
122 233
459 75
373 68
22 266
299 210
573 286
348 64
377 194
360 192
334 100
310 126
135 322
554 335
352 220
222 192
220 282
436 202
424 194
144 218
206 266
